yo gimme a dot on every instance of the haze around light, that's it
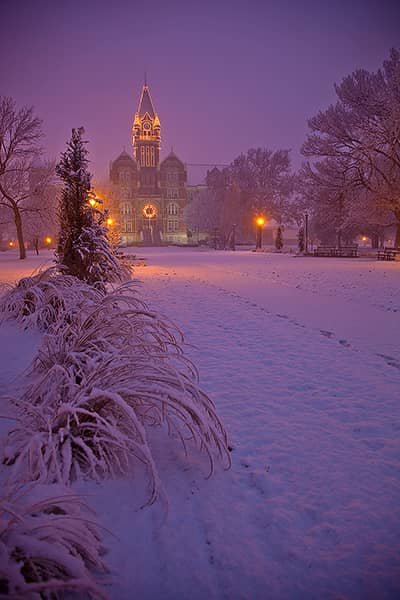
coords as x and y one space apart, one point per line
224 76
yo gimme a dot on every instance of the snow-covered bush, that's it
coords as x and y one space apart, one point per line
97 383
50 546
46 299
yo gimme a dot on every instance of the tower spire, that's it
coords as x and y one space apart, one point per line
146 130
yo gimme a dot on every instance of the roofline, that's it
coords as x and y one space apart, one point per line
173 155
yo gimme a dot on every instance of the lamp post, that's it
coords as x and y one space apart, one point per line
215 237
233 237
260 223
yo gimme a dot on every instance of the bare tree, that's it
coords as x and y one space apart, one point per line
40 209
20 133
265 181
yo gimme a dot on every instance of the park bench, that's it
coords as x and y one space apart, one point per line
334 251
388 253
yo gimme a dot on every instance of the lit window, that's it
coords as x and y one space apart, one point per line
172 208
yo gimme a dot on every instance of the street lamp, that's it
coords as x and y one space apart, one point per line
109 221
233 237
260 223
48 240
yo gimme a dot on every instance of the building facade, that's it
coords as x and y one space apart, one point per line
148 196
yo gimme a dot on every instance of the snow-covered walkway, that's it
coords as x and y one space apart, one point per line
310 508
301 359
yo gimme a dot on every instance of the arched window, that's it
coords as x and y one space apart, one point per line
172 208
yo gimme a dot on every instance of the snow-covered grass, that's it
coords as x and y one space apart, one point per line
49 544
107 368
301 358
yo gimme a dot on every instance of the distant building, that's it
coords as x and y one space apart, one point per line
148 196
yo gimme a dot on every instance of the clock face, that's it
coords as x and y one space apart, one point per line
150 211
146 126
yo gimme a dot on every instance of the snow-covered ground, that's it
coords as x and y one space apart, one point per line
302 360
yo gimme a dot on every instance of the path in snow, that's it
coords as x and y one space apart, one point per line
310 508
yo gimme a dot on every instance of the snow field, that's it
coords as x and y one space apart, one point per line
308 392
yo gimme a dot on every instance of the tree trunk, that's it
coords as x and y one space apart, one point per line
397 238
36 245
20 235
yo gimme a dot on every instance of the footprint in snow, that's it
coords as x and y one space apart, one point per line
345 343
392 362
327 334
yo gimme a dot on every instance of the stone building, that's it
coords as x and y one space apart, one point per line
148 196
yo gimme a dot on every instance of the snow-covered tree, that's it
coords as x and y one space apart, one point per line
330 193
201 212
265 182
361 131
83 248
20 133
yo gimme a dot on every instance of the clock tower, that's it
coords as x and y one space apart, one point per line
146 135
149 195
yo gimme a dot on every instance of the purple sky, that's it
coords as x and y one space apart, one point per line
225 76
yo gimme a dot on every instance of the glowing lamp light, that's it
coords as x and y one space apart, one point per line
364 238
260 221
48 240
92 202
11 244
109 221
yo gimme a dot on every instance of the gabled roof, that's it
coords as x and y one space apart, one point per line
146 104
171 158
125 157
